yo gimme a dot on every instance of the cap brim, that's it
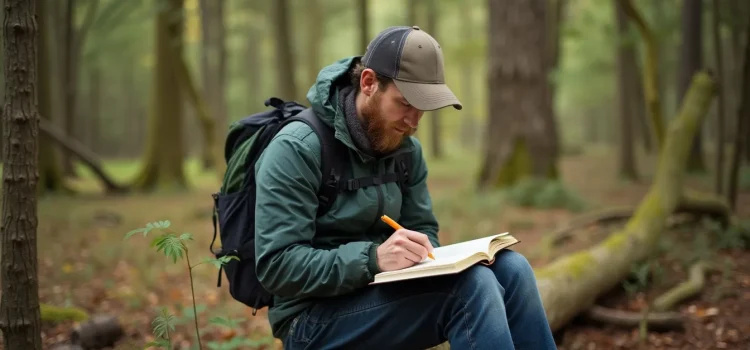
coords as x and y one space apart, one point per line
428 97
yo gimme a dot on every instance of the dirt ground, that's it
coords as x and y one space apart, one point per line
84 262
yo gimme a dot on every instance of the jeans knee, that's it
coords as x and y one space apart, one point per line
477 278
513 267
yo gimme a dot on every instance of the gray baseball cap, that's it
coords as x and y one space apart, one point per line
414 60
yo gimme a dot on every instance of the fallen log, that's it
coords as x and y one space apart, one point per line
664 321
83 153
570 284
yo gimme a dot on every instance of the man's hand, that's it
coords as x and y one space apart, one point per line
403 248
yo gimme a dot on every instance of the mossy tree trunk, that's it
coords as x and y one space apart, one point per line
20 317
570 284
50 164
164 153
651 74
519 139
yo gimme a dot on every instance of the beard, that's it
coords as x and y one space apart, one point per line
384 136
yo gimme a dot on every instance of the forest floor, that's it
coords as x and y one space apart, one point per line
84 261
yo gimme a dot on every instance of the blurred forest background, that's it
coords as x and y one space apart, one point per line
631 200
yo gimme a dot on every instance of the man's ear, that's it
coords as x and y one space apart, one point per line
368 83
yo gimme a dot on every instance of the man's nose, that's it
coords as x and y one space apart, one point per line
412 118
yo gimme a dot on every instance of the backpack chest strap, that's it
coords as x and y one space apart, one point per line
367 181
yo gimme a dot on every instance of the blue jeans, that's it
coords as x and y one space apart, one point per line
484 307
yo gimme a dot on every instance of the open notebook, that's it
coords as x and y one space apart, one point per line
452 258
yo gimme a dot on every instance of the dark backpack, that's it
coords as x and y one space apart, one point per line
234 203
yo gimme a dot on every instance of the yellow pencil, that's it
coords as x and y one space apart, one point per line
396 226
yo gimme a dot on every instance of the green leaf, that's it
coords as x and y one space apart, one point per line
186 237
170 245
163 323
131 233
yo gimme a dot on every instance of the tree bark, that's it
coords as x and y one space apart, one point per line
721 101
743 126
651 74
691 60
164 156
20 317
570 284
517 140
627 112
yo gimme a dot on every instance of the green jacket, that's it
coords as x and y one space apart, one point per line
301 257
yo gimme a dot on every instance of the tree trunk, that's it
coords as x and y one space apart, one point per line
436 141
95 110
720 113
364 25
50 167
469 119
412 12
213 69
253 55
691 60
66 82
570 284
517 142
743 126
627 112
287 88
651 74
553 18
20 317
315 16
164 156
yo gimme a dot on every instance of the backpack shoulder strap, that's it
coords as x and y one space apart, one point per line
403 169
332 152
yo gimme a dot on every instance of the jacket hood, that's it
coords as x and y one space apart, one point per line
323 96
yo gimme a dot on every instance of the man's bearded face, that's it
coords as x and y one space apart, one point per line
389 119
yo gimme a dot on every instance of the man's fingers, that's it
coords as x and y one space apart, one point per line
407 252
420 238
415 248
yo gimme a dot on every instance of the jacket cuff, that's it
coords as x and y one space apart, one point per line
372 262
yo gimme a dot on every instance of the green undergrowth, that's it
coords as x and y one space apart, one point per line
545 194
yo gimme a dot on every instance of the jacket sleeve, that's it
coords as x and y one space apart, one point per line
288 174
416 208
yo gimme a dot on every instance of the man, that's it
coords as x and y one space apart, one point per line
319 268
